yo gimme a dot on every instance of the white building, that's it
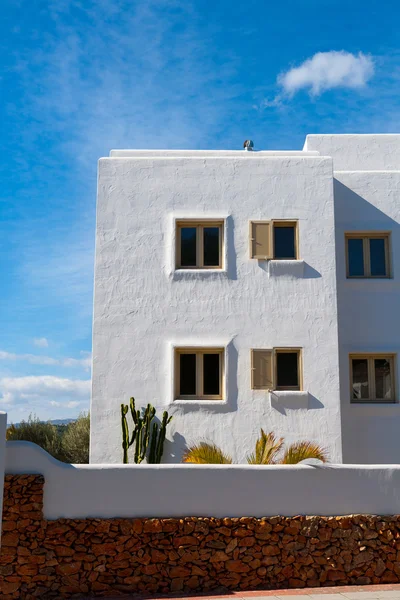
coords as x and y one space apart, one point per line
241 290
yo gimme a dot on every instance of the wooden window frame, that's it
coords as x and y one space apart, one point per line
365 236
289 223
200 224
299 386
274 352
275 223
370 357
199 352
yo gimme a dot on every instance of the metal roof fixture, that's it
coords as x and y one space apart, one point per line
248 145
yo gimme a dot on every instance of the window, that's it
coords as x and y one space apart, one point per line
199 244
199 373
367 254
276 369
273 240
372 377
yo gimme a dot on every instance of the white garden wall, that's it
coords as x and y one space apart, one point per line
80 491
142 307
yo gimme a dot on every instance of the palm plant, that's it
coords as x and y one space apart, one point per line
268 451
302 451
205 453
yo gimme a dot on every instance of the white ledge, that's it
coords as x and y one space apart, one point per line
289 398
286 268
195 403
199 274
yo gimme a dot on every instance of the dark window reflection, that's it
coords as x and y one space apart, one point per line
187 374
211 374
284 242
188 246
360 379
211 246
356 257
377 257
383 380
287 371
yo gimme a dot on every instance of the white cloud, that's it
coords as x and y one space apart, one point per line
71 404
41 342
328 70
85 362
35 391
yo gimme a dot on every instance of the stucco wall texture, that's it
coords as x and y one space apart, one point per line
367 198
144 307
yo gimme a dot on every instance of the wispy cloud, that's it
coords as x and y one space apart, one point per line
142 82
71 404
84 362
108 74
322 72
34 392
41 342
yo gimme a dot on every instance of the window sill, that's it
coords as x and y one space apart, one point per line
374 402
197 402
199 274
289 398
286 268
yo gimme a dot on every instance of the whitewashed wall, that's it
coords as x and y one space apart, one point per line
142 306
367 197
79 491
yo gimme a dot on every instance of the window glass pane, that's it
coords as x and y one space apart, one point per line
211 374
356 257
360 379
211 246
286 369
377 257
284 242
383 380
188 246
187 383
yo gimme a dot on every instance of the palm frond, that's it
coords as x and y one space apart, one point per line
267 449
206 453
303 450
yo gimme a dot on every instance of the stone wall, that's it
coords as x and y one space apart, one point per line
104 557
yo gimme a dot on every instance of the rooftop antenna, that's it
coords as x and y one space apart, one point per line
248 145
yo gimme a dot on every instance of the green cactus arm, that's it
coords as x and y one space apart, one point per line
125 433
153 444
133 409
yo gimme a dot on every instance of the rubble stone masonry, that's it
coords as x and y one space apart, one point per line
111 557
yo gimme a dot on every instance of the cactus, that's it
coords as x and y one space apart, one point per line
125 433
158 439
143 433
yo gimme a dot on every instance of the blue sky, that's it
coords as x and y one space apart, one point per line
81 77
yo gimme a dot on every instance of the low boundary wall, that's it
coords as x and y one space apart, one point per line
109 557
107 530
176 490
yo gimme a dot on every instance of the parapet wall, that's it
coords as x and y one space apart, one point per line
108 557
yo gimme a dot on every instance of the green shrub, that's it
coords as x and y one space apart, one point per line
68 443
43 434
75 440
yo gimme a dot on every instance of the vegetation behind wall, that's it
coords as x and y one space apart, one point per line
68 443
